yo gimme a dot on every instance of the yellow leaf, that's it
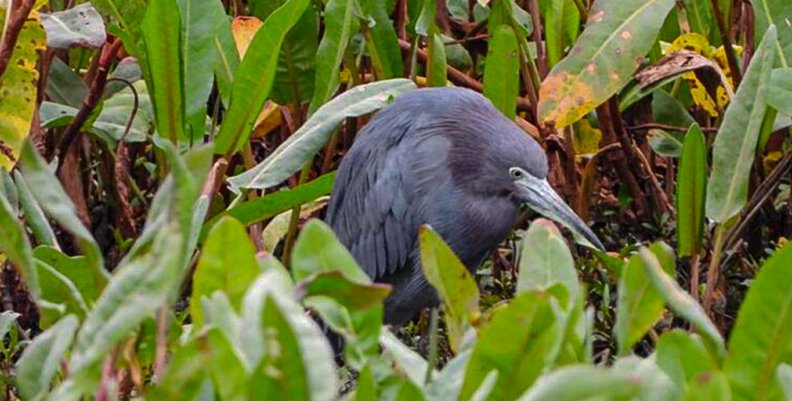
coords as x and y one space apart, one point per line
244 29
586 138
268 119
18 89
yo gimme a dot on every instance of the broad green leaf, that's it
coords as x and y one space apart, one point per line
34 216
226 367
779 94
447 383
578 382
691 192
318 250
518 343
57 289
228 264
186 375
14 244
349 294
126 17
77 26
562 20
111 123
678 300
254 77
455 286
639 303
545 260
502 71
200 21
161 30
42 358
778 13
603 59
18 89
294 81
760 339
366 387
735 145
301 146
654 383
74 268
65 86
436 63
275 203
136 291
339 24
683 357
297 360
47 190
380 38
699 16
7 322
226 59
403 358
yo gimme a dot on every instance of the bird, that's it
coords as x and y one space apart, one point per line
445 157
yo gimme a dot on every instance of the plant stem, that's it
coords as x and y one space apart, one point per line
295 219
433 324
731 56
714 267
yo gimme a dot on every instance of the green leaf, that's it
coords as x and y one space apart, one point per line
545 260
294 81
301 146
57 289
227 264
186 375
74 268
349 294
639 303
455 286
46 188
127 16
447 383
65 86
15 245
562 21
779 93
297 360
784 376
226 59
699 16
603 59
683 357
579 382
338 29
436 64
735 145
678 300
778 13
34 216
7 322
200 20
161 31
760 339
254 77
502 71
42 358
403 358
708 386
136 291
691 192
318 250
381 40
225 365
275 203
18 88
77 26
519 343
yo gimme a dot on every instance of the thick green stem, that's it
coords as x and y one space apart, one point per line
713 271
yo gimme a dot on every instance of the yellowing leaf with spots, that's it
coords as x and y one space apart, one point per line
18 89
618 35
698 43
244 29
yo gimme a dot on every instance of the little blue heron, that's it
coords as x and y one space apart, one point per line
444 157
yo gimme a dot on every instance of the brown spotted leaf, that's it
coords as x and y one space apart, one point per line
617 36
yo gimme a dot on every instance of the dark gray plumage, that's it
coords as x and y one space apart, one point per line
444 157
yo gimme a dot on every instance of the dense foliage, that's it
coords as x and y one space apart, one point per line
164 163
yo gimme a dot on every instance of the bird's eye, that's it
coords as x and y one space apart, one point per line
516 173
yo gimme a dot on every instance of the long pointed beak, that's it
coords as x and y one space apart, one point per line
541 197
